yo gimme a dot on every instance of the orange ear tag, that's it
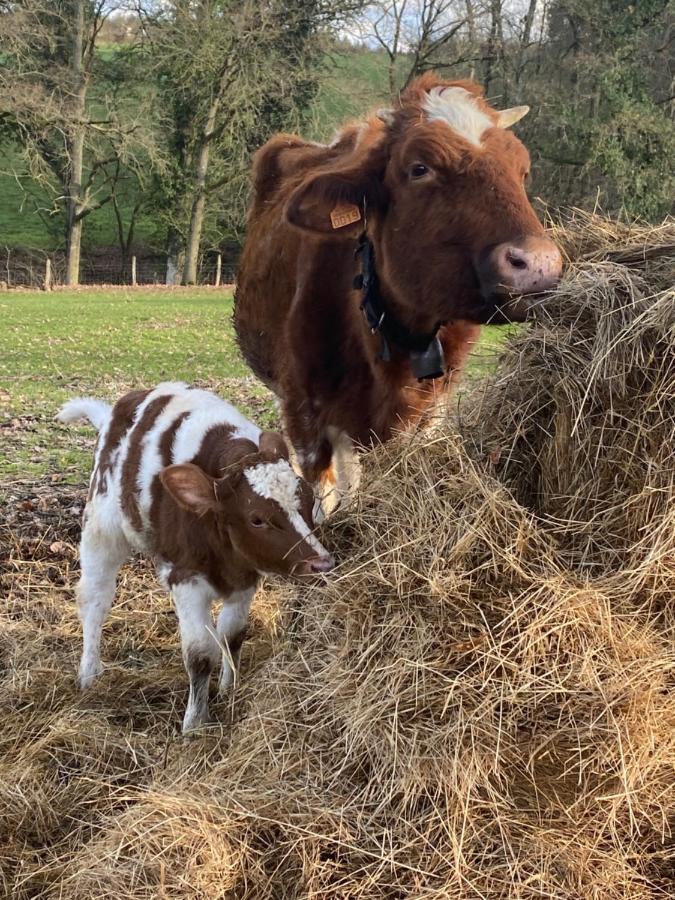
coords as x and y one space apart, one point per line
344 214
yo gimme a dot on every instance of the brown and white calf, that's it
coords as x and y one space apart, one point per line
181 475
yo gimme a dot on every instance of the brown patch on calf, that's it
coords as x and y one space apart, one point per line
122 418
273 443
179 575
165 454
132 462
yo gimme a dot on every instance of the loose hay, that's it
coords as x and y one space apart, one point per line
479 704
581 420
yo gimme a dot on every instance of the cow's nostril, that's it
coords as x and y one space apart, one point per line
518 262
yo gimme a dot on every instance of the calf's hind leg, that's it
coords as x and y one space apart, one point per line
193 599
102 553
231 628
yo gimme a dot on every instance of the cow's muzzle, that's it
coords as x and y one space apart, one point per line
529 265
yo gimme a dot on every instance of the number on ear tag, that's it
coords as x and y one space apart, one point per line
344 214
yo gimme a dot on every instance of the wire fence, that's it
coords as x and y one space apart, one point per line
40 269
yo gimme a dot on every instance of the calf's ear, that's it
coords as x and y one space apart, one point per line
336 201
272 442
191 488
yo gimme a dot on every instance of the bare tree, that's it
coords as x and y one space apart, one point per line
234 71
70 142
418 35
495 47
525 41
388 27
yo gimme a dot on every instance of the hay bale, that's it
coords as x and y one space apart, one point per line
581 417
169 844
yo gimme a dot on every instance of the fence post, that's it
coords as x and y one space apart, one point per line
133 271
219 266
48 274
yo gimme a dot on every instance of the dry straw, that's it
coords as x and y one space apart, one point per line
479 704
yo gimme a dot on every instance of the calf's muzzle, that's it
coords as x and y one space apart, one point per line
317 564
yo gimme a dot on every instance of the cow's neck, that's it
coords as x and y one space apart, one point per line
422 347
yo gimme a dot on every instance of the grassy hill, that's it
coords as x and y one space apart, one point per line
353 80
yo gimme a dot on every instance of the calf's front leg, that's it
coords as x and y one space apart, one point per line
193 599
231 628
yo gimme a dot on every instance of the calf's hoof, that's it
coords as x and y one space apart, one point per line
194 719
88 676
227 678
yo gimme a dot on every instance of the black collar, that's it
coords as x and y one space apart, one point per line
424 350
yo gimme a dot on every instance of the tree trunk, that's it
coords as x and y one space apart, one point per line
393 53
199 201
495 52
197 215
472 36
470 23
174 259
75 145
525 39
73 249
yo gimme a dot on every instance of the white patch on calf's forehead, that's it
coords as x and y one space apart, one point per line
458 109
277 481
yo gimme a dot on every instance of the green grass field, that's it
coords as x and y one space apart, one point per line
104 342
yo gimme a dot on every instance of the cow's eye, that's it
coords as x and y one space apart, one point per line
258 522
418 170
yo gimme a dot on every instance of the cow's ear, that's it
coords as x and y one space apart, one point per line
336 202
191 488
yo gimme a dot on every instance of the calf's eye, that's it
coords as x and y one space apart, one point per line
257 522
418 170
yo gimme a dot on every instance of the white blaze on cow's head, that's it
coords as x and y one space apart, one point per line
259 504
442 182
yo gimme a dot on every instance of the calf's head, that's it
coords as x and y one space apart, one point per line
259 505
442 183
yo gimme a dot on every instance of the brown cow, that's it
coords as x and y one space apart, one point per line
427 201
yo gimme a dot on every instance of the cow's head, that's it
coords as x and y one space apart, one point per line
442 183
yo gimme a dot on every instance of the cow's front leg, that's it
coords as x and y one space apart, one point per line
311 450
338 480
344 475
326 457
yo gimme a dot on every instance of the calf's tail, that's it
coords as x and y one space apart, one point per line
96 411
